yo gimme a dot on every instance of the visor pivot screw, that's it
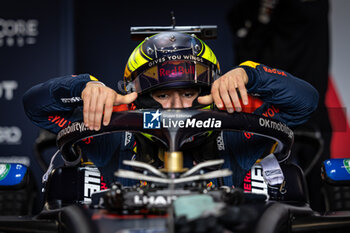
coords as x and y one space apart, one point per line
197 48
149 51
172 38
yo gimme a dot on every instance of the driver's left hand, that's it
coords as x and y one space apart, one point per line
224 91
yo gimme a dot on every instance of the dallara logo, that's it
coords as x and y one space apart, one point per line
153 120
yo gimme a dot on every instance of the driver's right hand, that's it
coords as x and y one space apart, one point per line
98 102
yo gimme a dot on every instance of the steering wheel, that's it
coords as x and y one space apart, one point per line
173 126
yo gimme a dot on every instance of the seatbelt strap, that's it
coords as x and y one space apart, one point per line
272 171
49 170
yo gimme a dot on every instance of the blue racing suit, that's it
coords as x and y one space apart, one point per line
56 103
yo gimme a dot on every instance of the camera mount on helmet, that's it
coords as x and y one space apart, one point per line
204 32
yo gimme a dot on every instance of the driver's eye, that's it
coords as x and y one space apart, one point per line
162 96
188 94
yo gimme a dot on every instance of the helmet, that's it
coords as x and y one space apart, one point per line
170 60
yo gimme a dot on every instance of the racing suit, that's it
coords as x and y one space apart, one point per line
54 104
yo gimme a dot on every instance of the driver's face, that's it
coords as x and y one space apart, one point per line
176 98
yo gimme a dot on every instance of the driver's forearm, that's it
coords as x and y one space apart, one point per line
56 97
295 98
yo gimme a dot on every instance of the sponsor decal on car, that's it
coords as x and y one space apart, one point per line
92 182
254 181
346 163
128 136
153 200
220 141
12 174
276 126
4 170
74 127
